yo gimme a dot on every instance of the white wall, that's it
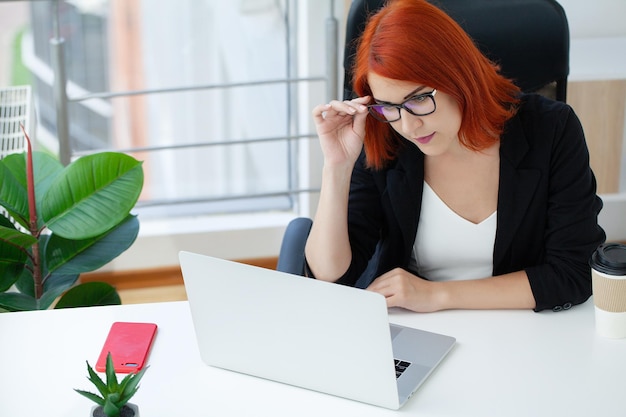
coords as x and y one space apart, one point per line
593 19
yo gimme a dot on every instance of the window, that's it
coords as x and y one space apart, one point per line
213 96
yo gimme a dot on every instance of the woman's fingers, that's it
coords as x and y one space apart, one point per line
340 127
340 108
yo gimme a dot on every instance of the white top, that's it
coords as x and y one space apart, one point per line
449 247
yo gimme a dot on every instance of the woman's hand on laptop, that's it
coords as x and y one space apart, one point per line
403 289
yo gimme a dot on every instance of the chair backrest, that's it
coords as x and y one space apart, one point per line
529 39
291 255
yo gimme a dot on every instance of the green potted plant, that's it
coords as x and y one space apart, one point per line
59 222
114 395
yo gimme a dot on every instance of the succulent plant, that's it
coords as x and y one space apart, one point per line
114 395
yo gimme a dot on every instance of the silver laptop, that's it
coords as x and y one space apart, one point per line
307 333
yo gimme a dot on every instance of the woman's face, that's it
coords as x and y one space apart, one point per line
434 134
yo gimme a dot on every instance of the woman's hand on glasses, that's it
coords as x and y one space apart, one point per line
340 126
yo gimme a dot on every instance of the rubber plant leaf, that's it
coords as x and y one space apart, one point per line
10 237
13 194
54 287
14 301
24 282
89 294
92 195
60 285
66 256
13 255
59 282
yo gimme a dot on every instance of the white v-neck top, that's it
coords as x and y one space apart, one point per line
449 247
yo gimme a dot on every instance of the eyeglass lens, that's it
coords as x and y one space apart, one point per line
420 105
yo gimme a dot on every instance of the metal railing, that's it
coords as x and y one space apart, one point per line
61 99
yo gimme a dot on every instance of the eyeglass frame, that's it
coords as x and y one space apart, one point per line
401 106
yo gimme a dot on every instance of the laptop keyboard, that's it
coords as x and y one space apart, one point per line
400 367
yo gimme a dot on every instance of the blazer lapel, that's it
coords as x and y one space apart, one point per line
405 183
517 187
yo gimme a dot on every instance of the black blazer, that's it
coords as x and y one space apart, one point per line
547 206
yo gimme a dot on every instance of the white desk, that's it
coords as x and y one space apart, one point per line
506 363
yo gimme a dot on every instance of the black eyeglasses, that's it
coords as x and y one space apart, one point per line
419 105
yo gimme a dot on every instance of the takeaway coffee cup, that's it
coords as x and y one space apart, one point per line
608 276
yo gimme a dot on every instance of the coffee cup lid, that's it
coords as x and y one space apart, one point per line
610 258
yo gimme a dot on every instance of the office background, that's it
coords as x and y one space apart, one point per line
228 167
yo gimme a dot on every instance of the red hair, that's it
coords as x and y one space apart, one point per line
412 40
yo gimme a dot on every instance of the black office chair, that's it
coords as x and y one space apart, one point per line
529 39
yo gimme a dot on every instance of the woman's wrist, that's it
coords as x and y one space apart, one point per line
336 179
441 296
338 169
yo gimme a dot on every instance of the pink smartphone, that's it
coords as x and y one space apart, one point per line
129 344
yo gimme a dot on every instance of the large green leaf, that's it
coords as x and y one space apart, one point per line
9 273
13 195
92 195
13 254
56 282
6 222
65 256
90 294
11 237
46 169
14 301
54 287
83 295
25 283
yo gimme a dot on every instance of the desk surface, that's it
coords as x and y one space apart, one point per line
506 363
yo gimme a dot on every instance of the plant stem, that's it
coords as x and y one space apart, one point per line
32 217
37 276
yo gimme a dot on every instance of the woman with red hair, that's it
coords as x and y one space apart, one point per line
468 193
